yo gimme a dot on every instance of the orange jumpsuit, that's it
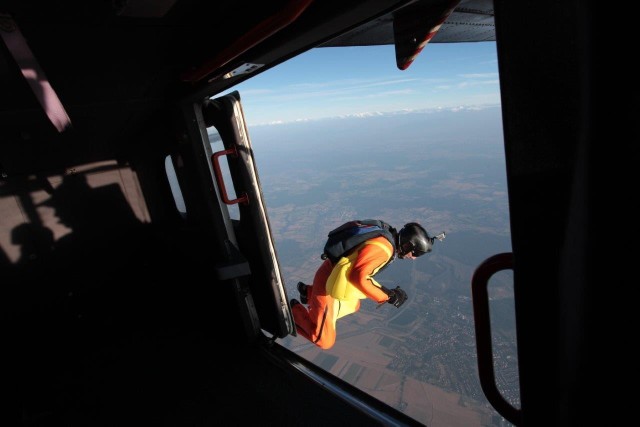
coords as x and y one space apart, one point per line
317 323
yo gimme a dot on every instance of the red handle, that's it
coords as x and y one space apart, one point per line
218 173
479 283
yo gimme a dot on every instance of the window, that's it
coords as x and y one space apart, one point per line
341 134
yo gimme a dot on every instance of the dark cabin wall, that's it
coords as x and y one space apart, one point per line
570 160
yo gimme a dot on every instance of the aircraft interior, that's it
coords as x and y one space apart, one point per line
122 306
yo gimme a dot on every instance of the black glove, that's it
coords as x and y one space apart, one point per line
397 296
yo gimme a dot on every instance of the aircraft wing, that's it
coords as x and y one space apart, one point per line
412 27
469 21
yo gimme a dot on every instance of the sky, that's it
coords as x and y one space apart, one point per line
334 82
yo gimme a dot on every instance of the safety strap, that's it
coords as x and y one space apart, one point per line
33 73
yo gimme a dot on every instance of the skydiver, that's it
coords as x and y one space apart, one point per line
353 274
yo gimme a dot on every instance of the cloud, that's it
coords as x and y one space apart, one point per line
480 75
257 92
368 114
389 93
343 88
467 84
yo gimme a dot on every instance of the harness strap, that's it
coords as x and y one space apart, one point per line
33 73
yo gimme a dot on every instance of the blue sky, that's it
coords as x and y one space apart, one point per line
333 82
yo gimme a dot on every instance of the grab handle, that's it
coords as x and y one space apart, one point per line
218 173
479 291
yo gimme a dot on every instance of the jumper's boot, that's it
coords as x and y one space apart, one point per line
302 289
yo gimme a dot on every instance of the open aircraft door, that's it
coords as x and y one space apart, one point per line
249 263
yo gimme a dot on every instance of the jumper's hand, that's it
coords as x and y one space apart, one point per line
397 297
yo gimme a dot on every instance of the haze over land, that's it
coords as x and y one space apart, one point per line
444 169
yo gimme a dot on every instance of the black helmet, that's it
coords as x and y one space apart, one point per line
414 239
